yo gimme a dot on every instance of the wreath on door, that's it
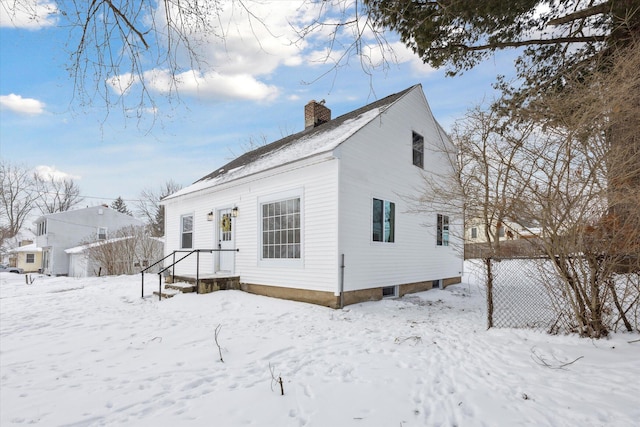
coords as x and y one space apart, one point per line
225 224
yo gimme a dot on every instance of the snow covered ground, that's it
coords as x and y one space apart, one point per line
91 352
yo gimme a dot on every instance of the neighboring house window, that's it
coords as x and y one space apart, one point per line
384 218
42 228
442 230
31 258
281 237
102 233
501 231
418 150
186 233
474 232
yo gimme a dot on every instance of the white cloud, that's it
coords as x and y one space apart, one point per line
122 83
212 85
239 50
50 172
18 104
28 14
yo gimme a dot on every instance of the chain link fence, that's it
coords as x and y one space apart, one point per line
528 293
520 296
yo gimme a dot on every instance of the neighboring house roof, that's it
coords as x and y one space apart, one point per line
26 248
80 249
70 212
310 142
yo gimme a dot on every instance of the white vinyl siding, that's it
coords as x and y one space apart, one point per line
383 145
315 184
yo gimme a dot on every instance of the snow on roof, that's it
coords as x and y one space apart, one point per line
310 142
82 248
26 248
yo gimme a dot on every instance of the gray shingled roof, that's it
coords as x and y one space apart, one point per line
253 155
310 142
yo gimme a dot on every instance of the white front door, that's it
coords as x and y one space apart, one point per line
226 225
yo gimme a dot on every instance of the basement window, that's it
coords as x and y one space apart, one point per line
389 291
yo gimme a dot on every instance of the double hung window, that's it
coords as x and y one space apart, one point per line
442 230
186 232
384 219
102 233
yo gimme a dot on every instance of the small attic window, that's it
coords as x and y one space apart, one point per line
418 150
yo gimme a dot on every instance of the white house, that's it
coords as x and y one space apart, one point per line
63 230
321 216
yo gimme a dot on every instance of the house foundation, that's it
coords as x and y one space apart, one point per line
328 299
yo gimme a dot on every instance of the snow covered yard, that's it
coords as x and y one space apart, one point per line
91 352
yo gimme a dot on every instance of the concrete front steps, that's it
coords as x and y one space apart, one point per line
206 284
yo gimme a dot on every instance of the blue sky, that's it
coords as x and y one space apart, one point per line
254 88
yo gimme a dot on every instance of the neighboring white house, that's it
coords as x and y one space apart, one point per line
322 215
63 230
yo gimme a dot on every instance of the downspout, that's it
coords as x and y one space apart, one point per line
336 154
341 283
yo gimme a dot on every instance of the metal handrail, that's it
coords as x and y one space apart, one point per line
173 254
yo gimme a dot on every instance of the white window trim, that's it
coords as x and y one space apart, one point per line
193 227
395 291
275 197
448 240
395 221
413 132
106 233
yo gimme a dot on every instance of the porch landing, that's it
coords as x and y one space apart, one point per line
206 283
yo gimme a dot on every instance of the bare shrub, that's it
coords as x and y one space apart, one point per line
130 250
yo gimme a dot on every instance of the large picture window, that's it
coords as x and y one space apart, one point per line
186 232
442 230
418 150
281 237
384 218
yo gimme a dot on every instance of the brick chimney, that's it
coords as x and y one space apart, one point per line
315 113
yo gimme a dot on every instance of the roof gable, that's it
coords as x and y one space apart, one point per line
84 212
309 142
